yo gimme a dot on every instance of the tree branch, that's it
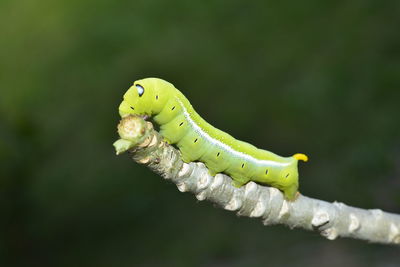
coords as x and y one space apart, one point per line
331 220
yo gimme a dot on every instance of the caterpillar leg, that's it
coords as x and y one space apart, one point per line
293 198
291 193
239 181
237 184
185 157
166 140
212 173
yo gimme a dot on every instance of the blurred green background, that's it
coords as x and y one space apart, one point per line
316 77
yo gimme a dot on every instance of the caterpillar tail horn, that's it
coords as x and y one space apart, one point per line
300 156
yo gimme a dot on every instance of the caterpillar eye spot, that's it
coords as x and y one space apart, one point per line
156 97
195 140
218 154
132 108
266 171
287 175
242 165
173 108
181 124
140 89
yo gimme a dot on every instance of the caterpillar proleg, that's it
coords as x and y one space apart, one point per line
199 141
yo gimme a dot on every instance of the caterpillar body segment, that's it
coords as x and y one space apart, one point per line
199 141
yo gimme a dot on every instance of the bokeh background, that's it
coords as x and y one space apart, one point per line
317 77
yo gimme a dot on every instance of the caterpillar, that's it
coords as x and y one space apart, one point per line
199 141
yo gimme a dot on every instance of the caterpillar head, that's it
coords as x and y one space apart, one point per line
146 97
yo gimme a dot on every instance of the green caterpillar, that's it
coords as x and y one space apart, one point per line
199 141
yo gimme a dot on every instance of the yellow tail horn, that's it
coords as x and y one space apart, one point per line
300 156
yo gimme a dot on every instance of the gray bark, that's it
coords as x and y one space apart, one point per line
331 220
